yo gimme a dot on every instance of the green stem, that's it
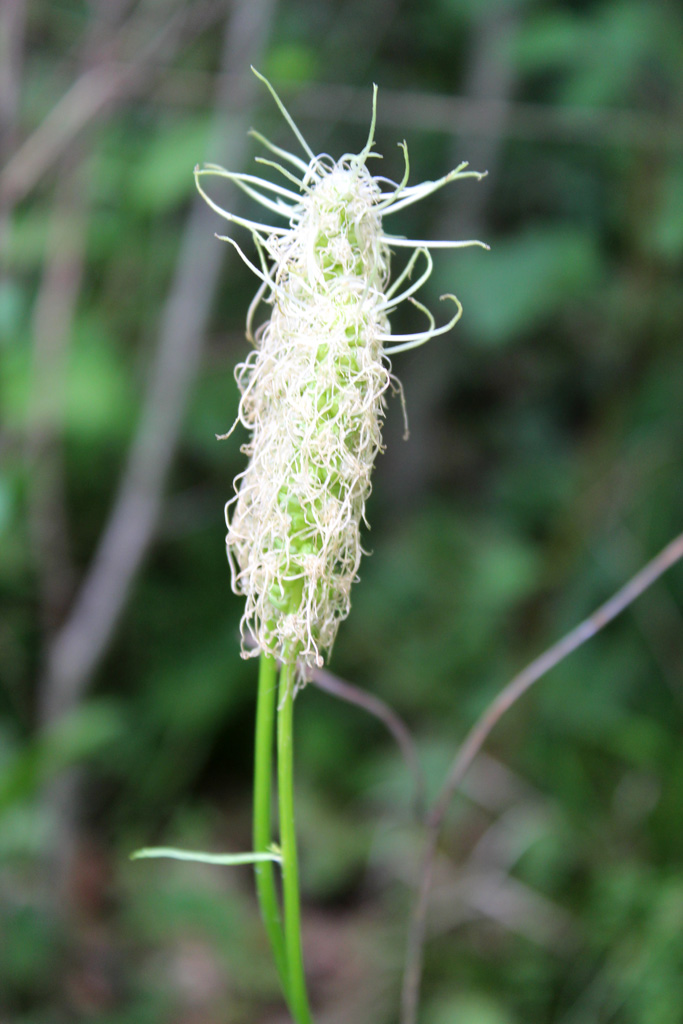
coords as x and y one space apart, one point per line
263 772
298 998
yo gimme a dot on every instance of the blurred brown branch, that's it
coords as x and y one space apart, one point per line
478 735
97 86
457 115
52 330
12 30
491 76
478 117
84 637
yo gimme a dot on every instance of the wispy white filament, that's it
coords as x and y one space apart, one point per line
313 388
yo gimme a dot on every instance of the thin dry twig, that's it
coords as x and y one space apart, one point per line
658 617
332 684
478 735
379 709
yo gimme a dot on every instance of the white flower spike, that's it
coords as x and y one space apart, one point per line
313 389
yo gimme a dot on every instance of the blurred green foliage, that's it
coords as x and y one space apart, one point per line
543 469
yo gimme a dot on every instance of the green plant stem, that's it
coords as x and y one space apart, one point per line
298 998
263 773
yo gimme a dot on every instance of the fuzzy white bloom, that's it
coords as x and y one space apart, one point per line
313 389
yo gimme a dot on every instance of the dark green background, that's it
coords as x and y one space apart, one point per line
543 469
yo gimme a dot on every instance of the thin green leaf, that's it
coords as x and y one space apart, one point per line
228 859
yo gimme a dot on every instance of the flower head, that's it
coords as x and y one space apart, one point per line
314 386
